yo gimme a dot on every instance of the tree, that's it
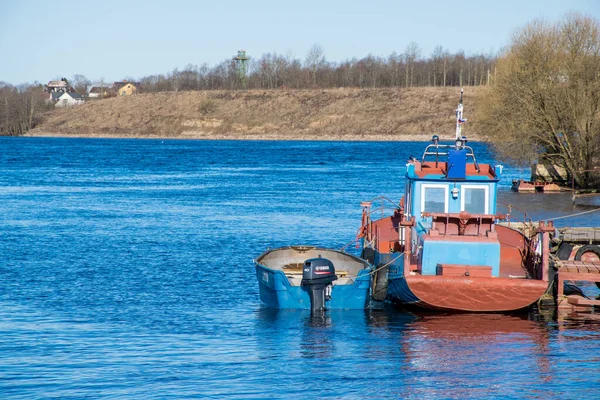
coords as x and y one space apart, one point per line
544 103
80 83
315 60
411 54
21 108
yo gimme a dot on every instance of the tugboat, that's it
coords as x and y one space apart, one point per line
443 247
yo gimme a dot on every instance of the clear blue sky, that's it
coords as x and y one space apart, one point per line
42 39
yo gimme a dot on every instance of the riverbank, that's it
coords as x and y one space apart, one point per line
389 114
237 136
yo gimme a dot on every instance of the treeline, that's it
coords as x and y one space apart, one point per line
274 70
20 107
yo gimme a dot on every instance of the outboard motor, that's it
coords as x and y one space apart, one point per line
317 275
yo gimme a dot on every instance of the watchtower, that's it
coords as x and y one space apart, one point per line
241 64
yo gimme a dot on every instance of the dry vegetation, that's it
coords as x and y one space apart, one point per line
318 114
544 104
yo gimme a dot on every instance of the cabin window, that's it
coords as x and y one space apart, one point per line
434 198
475 199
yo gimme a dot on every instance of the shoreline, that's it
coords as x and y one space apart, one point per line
249 137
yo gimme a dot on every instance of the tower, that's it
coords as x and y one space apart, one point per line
241 61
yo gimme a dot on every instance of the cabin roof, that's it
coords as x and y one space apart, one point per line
431 169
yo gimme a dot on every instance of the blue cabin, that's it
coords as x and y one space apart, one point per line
454 205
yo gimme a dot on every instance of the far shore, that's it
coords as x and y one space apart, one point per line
366 115
257 137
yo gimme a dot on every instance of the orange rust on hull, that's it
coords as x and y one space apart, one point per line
512 252
475 294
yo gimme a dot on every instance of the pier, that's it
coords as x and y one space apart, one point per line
578 261
572 270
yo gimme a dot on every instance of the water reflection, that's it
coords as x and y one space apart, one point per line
423 354
479 351
316 339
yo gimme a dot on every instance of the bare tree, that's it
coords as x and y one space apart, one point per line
545 101
80 83
411 54
22 107
315 60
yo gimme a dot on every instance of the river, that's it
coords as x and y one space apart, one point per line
126 272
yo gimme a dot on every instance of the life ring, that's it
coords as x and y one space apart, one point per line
588 252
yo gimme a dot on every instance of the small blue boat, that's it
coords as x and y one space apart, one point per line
307 277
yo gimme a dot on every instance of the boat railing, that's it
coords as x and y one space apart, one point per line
382 205
515 217
434 150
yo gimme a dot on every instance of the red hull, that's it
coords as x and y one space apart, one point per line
475 294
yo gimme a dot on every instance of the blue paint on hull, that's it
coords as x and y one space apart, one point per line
277 292
398 291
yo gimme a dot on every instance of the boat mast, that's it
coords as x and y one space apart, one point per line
459 117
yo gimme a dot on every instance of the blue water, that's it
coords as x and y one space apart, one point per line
126 272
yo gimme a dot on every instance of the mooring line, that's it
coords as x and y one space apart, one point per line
573 215
385 265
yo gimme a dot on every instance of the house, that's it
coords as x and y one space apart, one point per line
60 86
66 99
125 88
101 90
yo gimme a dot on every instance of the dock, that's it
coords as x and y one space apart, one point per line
572 270
585 194
523 186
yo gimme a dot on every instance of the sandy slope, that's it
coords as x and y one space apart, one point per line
333 114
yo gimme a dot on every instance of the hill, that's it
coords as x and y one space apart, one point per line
331 114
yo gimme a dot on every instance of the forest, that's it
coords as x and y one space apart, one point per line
272 70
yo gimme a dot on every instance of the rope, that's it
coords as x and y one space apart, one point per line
574 215
348 244
385 265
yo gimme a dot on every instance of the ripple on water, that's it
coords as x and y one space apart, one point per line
126 272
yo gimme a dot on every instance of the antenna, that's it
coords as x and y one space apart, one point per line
459 117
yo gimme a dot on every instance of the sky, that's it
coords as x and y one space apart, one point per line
111 40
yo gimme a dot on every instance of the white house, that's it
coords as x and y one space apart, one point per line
66 99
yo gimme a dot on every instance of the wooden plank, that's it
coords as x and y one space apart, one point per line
570 276
588 269
586 266
580 301
580 234
298 271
